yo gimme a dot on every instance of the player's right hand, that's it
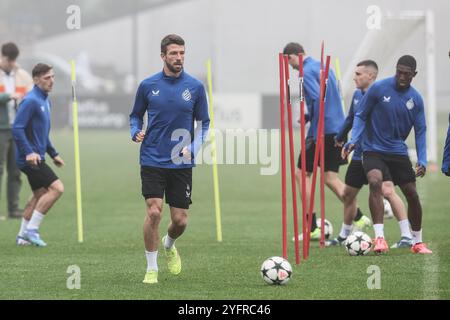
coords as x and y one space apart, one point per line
420 170
140 136
33 159
338 143
348 147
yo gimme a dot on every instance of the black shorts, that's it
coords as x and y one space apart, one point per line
356 176
398 166
176 184
40 176
333 159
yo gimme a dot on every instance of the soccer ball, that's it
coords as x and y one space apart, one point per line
358 244
388 213
276 270
328 227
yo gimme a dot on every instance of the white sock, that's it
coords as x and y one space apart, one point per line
152 257
169 242
379 230
35 220
404 228
417 236
345 231
23 227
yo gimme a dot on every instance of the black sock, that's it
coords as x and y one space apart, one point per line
359 215
314 222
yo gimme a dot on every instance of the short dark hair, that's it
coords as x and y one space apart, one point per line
408 61
293 48
368 63
10 51
171 39
40 69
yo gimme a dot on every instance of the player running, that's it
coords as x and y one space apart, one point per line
174 100
31 130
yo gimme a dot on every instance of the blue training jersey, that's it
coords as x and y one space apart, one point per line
31 127
446 159
348 124
173 105
334 115
385 118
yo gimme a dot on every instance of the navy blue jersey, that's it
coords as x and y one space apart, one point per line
173 105
31 127
348 123
385 118
334 115
446 160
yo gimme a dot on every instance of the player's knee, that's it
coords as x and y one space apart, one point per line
348 197
375 183
411 195
154 213
57 187
180 220
298 174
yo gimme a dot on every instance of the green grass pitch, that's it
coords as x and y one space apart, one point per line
112 260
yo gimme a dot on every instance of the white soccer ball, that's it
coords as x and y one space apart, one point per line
358 244
328 227
276 270
388 213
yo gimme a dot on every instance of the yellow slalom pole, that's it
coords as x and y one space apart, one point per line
214 155
339 81
77 154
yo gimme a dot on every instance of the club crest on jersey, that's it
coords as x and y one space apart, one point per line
410 104
186 95
43 108
355 101
386 99
155 92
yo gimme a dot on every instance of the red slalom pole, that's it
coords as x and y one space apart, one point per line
322 154
283 159
316 157
291 158
305 224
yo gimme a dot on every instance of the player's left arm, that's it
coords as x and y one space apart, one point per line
57 160
201 117
420 129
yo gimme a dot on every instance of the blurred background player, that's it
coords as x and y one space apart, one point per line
386 114
14 83
334 118
31 131
446 158
173 100
365 74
